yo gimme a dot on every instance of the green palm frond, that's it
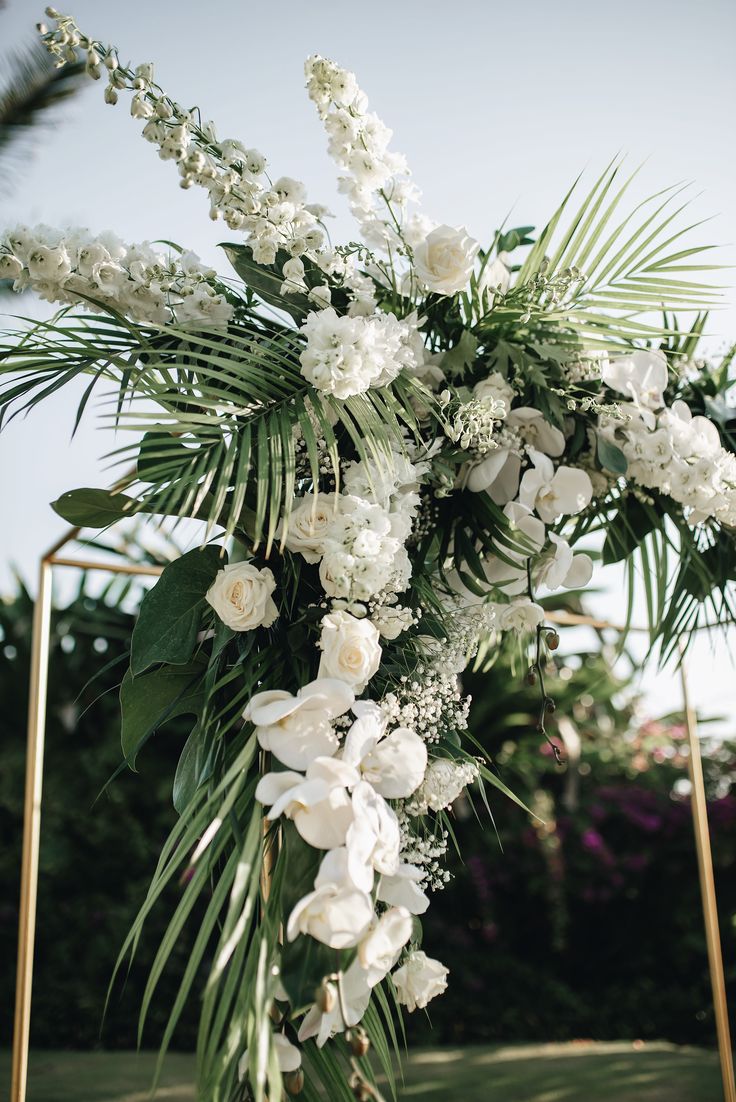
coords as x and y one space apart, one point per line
615 274
230 425
30 86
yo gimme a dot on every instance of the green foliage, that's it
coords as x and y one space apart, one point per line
166 629
151 699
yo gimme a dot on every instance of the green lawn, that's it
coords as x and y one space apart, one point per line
579 1072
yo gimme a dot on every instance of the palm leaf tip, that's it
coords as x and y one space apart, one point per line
30 86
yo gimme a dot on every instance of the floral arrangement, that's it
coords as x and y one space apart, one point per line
394 446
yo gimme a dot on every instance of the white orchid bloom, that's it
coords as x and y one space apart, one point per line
337 915
393 764
536 430
318 802
404 890
554 493
380 948
298 729
355 996
372 838
288 1056
562 567
695 436
512 578
498 473
641 376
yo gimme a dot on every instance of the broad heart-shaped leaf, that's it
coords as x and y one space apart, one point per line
611 457
633 522
166 629
153 698
91 508
266 279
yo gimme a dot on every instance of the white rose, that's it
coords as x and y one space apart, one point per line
419 980
444 260
308 524
241 596
350 649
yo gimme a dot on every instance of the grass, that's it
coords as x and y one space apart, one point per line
577 1072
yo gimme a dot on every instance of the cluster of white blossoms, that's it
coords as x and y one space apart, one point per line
336 789
347 355
377 181
75 266
667 448
273 215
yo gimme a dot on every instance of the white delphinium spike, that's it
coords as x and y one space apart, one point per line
75 266
377 181
272 215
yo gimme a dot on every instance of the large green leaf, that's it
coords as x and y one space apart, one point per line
166 629
266 279
633 522
93 508
155 697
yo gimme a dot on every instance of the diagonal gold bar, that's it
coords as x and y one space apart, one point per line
40 646
708 891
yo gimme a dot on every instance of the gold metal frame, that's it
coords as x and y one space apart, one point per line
32 820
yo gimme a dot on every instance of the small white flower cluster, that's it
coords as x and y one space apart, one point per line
377 181
426 851
76 266
474 425
429 701
349 355
274 216
666 448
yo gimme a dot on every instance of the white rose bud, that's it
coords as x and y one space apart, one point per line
444 260
241 596
419 980
350 649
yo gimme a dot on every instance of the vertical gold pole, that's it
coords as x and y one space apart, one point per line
708 894
31 830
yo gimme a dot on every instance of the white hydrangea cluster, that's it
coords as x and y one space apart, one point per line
361 554
667 448
443 782
273 216
75 266
377 181
682 457
349 355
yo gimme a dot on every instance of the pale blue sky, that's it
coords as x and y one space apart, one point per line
497 107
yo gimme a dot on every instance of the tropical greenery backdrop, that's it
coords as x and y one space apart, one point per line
585 922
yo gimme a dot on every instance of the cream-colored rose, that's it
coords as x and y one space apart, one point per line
350 649
308 524
444 260
241 596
